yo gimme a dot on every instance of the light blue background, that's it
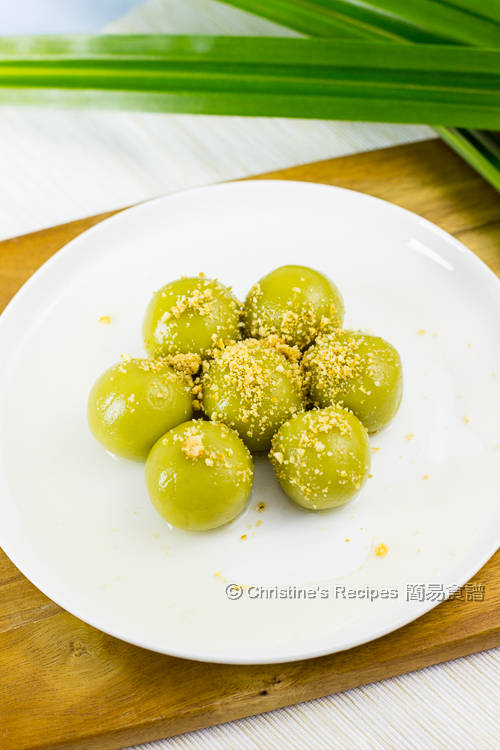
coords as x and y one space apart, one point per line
59 16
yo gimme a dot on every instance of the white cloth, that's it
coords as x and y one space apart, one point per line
61 165
450 706
56 166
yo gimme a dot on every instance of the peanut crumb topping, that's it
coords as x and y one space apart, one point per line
188 364
199 301
125 359
185 364
161 366
294 326
193 447
254 371
292 353
334 360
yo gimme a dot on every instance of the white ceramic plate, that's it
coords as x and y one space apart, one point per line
78 522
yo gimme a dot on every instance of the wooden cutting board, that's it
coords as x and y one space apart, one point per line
64 684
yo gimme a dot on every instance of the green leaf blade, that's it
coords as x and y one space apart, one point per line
487 165
441 18
339 18
319 78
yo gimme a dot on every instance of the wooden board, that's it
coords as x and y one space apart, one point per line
64 684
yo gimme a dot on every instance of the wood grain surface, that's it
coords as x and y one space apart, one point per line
64 684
